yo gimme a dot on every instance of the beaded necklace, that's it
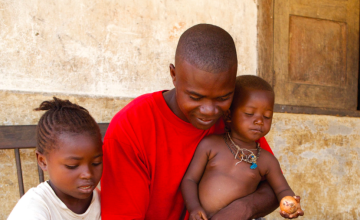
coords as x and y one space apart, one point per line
242 154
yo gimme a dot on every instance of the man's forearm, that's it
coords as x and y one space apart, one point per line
258 204
263 201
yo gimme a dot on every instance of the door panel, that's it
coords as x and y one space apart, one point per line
316 53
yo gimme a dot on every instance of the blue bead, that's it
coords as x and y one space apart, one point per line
253 166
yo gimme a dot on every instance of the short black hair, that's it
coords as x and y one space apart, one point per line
207 47
249 82
252 82
62 116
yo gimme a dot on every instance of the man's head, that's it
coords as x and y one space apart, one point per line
208 48
204 78
252 108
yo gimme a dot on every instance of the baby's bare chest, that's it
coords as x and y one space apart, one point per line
226 179
224 163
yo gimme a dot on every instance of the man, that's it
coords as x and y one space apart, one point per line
151 141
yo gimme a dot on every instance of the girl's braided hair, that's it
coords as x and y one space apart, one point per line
62 116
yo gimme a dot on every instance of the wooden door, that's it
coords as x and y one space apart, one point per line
316 53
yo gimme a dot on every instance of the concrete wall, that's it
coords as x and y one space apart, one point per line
113 48
319 156
102 54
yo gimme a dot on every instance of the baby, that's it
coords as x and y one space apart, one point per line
230 166
69 148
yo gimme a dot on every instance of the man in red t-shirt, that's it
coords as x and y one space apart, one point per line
150 142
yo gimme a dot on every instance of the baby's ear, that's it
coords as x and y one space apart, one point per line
41 160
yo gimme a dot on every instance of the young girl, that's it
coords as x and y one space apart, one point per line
230 166
69 148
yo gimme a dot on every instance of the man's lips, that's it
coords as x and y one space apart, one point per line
205 120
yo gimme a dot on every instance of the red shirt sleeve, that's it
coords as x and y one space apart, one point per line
264 145
125 182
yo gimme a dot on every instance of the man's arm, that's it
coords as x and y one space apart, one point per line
258 204
125 182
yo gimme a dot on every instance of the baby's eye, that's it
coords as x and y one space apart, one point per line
71 167
97 164
249 114
267 117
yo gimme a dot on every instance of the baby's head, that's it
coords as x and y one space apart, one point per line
252 108
69 148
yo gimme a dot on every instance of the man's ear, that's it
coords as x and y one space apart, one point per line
41 160
172 73
227 120
227 116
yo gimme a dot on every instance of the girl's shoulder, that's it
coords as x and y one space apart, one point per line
41 203
32 205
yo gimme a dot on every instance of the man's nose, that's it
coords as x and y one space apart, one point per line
208 108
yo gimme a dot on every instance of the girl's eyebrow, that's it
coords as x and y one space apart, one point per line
80 158
73 158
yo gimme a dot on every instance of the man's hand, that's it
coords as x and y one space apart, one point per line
258 204
299 211
234 211
198 214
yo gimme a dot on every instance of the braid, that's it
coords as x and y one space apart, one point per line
62 116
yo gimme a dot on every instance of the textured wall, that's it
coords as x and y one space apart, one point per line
319 156
113 48
17 107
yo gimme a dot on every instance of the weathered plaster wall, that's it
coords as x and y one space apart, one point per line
319 156
113 48
17 107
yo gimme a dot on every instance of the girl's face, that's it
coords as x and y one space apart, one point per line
74 166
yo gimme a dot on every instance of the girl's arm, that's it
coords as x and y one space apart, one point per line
189 184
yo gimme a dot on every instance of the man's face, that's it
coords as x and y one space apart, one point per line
202 97
75 166
251 115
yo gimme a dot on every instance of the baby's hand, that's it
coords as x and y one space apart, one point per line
290 207
198 214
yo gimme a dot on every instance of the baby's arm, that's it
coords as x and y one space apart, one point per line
189 184
279 184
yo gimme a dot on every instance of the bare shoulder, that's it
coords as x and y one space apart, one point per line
267 157
211 142
267 161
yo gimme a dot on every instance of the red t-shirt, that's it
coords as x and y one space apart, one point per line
147 150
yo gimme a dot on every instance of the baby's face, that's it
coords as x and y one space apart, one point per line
251 115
